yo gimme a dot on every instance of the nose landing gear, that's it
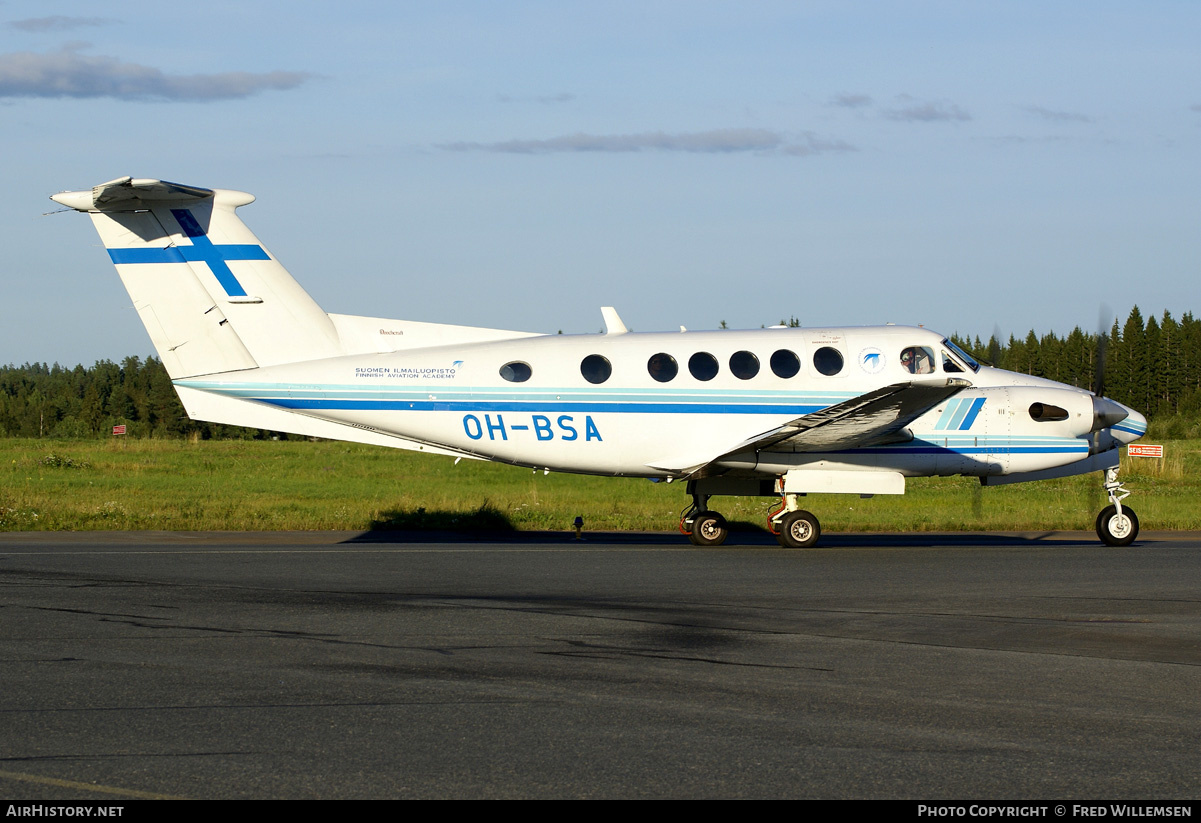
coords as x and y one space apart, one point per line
1117 525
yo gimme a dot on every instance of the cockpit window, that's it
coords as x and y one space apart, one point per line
949 365
963 356
917 360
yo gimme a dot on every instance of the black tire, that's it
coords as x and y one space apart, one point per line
799 530
1115 531
708 529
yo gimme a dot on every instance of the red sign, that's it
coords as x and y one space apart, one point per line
119 429
1144 451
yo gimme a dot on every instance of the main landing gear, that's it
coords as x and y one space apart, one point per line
793 527
703 527
1117 525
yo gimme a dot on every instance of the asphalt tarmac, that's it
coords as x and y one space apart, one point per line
339 665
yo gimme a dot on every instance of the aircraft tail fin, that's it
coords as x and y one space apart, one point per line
211 296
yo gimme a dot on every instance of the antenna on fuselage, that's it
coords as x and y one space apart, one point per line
613 324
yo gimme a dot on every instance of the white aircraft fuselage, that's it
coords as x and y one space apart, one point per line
787 411
633 425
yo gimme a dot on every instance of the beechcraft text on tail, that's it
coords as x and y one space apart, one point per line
783 412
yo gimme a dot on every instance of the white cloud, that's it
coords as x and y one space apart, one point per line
1059 116
927 112
809 144
850 101
717 141
546 99
58 22
67 73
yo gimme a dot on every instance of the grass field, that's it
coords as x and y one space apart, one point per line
252 485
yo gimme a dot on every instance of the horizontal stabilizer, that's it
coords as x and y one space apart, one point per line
128 194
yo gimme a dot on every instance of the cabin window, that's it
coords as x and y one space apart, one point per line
785 363
596 369
917 360
744 365
516 372
702 366
1045 412
828 361
662 367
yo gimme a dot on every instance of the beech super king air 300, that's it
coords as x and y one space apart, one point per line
781 412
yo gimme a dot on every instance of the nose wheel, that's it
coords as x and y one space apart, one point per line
1117 528
1117 525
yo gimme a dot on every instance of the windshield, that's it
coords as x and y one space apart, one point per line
968 360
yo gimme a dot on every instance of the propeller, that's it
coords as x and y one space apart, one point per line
994 346
1104 320
1106 412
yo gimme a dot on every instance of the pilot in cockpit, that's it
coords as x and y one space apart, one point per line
917 360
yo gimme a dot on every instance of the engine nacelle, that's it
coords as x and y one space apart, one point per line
1015 429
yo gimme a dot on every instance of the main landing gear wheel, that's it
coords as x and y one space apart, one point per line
708 529
1115 529
799 530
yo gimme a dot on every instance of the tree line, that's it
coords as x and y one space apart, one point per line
1153 365
37 400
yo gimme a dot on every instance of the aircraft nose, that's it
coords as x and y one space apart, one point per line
1107 413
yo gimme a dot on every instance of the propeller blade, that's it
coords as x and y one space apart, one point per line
1104 319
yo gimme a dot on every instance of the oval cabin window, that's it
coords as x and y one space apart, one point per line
785 363
828 361
596 369
516 372
744 365
702 366
662 367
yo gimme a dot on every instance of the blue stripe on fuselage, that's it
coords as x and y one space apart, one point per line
977 404
532 406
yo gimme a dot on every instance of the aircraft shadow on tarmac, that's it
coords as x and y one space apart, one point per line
489 525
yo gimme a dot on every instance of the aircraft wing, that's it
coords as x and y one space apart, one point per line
868 419
860 421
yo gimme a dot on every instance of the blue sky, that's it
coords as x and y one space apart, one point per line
969 166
